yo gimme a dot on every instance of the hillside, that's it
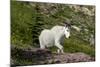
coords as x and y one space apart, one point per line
29 19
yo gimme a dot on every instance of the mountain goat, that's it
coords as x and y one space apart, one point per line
54 37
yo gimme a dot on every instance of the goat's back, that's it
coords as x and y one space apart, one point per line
47 37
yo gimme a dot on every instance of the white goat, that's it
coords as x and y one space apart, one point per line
54 37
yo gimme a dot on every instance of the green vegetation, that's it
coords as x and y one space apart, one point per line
29 19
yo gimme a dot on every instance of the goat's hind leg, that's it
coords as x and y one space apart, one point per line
42 46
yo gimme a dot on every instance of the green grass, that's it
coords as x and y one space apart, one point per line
76 45
22 20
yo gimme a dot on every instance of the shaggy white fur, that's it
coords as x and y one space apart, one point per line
54 37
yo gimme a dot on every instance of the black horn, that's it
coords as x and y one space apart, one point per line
67 24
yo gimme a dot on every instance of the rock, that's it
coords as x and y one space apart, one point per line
92 40
57 61
45 56
73 57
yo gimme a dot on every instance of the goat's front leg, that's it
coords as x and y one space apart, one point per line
60 47
60 51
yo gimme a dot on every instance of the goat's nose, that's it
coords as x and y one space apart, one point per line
69 36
